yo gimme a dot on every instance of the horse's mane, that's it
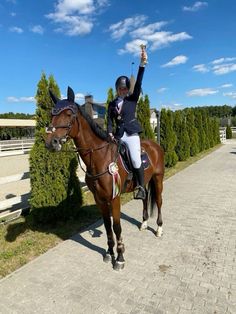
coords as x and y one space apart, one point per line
94 126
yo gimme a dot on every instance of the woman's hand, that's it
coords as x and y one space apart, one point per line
143 56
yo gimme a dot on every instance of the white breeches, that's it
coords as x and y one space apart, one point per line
133 143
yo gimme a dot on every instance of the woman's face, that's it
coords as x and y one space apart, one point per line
122 91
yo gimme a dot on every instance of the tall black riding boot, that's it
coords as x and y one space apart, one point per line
139 192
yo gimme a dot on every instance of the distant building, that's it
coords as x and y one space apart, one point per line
96 111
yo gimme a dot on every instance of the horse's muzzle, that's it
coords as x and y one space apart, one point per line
54 144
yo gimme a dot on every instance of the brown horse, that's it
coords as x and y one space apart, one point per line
102 158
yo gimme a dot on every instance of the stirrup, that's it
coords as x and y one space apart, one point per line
140 193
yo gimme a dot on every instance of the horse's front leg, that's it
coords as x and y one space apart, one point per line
120 262
105 210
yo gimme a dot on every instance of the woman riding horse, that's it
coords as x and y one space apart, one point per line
104 165
121 111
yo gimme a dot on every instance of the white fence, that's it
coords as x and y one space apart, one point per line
15 147
222 134
13 207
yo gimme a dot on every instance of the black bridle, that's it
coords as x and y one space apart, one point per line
83 151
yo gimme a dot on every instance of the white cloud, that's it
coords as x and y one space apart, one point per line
38 29
132 47
200 68
226 85
162 90
202 92
20 99
222 60
224 68
79 96
76 17
148 29
15 29
230 94
149 34
196 6
176 61
118 30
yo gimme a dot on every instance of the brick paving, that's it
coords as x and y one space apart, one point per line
191 269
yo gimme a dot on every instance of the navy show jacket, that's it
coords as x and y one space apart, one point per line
126 121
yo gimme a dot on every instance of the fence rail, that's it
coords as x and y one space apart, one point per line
13 207
15 147
222 134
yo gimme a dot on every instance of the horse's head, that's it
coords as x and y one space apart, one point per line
63 121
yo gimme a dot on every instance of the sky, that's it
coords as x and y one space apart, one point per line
87 44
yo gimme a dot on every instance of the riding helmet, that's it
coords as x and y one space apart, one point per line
122 82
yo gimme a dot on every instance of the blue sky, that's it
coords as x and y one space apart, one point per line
87 44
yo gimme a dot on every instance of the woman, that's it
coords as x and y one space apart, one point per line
122 111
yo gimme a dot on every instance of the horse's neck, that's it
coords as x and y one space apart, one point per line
87 141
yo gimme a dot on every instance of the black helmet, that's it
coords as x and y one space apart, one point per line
122 82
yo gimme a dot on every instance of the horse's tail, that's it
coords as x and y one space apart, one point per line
151 197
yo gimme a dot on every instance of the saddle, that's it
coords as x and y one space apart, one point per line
126 160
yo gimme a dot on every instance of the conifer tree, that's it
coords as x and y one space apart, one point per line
182 147
55 189
110 97
143 116
205 123
168 138
192 132
228 132
200 129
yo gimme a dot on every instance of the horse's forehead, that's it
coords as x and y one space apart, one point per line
62 105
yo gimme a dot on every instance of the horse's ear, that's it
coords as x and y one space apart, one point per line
55 99
70 94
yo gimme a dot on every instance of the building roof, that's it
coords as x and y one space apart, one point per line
17 123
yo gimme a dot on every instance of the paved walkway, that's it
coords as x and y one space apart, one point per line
190 270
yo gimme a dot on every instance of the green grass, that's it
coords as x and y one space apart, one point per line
21 241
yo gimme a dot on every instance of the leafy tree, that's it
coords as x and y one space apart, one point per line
168 138
143 116
55 190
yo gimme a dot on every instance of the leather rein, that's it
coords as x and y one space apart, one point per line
52 128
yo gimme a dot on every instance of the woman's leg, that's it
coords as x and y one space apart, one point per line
133 143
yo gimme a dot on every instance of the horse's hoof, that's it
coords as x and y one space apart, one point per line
143 226
159 232
119 265
108 258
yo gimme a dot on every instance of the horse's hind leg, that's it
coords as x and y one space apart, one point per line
120 262
158 181
144 224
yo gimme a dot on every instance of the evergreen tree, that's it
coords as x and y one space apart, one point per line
110 97
168 138
228 132
55 189
143 116
192 132
182 147
205 124
200 129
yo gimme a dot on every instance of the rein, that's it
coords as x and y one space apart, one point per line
52 128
